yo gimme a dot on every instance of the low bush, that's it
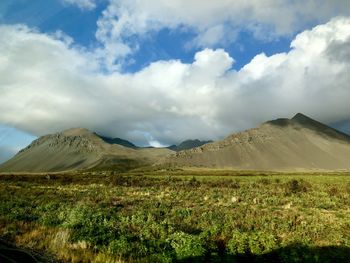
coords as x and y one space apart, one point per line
297 186
256 243
186 245
193 182
90 225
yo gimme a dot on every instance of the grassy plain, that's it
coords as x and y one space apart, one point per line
178 216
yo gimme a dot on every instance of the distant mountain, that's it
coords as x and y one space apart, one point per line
188 144
76 149
297 143
118 141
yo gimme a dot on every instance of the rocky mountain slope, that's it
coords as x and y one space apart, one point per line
78 149
297 143
282 144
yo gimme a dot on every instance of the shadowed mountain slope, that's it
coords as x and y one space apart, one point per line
78 149
118 141
297 143
188 144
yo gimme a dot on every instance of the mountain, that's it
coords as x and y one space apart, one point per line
297 143
281 144
76 149
188 144
118 141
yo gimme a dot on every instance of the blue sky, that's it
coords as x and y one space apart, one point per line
53 15
161 72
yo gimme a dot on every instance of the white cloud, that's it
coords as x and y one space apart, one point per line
82 4
48 84
213 35
219 21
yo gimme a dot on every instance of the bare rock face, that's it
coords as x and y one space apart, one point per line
76 143
297 143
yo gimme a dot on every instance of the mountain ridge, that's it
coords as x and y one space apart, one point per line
118 141
188 144
297 143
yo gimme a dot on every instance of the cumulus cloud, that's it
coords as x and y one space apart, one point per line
82 4
124 22
49 84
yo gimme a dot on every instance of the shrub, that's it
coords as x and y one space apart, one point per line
297 186
333 191
239 244
118 180
193 182
265 181
120 247
348 188
261 242
50 214
229 183
255 243
89 225
235 184
186 246
164 258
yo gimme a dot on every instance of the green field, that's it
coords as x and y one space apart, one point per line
178 216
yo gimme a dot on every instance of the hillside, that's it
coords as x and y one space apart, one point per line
76 149
297 143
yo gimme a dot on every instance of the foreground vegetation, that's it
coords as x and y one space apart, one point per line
172 216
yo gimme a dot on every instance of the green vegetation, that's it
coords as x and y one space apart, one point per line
179 216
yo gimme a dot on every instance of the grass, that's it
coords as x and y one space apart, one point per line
179 216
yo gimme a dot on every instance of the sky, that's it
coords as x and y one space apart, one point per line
158 72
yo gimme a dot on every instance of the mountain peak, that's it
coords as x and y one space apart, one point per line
189 144
299 117
306 121
76 132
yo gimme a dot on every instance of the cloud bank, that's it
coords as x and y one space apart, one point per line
49 84
125 22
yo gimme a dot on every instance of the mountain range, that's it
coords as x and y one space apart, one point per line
281 144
